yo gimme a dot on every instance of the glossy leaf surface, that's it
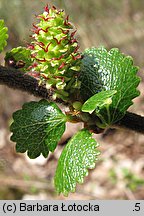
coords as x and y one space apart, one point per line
103 70
37 128
79 155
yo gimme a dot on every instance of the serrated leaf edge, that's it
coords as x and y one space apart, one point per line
80 181
25 105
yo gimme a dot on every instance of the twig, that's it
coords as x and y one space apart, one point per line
18 80
133 122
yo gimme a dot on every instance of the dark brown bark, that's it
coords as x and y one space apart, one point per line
16 79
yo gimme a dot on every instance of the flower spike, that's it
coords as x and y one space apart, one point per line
55 51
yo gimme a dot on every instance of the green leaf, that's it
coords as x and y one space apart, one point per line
98 101
3 35
37 128
79 155
19 54
109 70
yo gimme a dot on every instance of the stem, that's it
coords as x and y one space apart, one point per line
16 79
108 112
19 80
132 121
101 124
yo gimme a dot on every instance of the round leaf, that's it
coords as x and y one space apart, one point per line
37 128
103 70
79 155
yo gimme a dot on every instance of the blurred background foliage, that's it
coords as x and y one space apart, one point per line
99 22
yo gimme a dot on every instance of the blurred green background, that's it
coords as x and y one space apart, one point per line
99 22
120 172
